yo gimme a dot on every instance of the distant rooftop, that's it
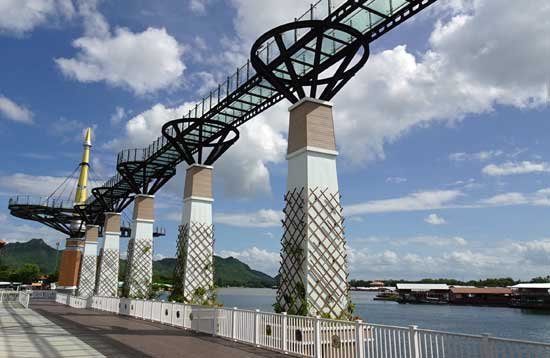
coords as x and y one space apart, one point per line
422 286
532 285
482 290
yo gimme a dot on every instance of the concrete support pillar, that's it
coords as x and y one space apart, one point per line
86 284
314 272
194 274
69 268
139 269
107 278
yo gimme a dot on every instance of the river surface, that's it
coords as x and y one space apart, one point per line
498 321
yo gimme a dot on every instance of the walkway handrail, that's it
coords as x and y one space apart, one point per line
314 337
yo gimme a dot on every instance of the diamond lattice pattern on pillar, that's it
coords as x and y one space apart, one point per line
108 279
194 270
86 283
138 278
313 260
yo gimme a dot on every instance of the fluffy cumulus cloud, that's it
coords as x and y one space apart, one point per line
514 168
522 260
14 112
258 259
261 218
434 219
18 17
143 62
144 128
452 258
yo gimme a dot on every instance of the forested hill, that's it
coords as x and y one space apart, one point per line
227 271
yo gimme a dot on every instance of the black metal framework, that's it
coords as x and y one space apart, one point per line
252 90
207 138
304 63
58 216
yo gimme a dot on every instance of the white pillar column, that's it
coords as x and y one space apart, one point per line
86 284
314 270
195 263
107 282
139 268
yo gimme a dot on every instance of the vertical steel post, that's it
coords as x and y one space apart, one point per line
359 339
318 346
233 324
285 332
414 342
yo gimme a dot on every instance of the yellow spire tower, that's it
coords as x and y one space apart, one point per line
69 269
82 188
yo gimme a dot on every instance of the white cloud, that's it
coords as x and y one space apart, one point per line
415 241
261 218
15 112
514 168
396 180
143 62
425 200
198 6
434 219
506 199
539 198
41 185
21 16
117 116
522 260
479 156
258 259
143 129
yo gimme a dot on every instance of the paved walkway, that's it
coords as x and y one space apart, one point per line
88 333
25 333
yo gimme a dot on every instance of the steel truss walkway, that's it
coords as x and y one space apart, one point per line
288 60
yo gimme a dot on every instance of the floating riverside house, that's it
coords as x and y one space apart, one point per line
423 293
480 296
531 295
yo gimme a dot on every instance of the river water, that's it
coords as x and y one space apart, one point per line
498 321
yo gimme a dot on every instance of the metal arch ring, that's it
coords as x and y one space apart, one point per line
195 123
261 66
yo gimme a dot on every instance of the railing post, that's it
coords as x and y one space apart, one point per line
233 324
318 347
414 342
215 322
359 339
285 332
486 349
256 327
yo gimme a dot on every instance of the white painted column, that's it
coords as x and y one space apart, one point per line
139 268
314 268
195 262
107 281
86 283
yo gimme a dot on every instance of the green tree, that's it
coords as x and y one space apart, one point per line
28 273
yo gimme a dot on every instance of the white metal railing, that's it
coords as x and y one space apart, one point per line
43 295
313 336
23 297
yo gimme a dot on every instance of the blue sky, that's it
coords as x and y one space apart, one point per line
443 163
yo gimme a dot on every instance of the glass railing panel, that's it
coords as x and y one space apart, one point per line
383 6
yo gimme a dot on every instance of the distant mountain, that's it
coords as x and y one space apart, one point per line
35 251
227 272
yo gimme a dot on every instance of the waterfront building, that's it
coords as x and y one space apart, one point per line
423 293
531 295
480 296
